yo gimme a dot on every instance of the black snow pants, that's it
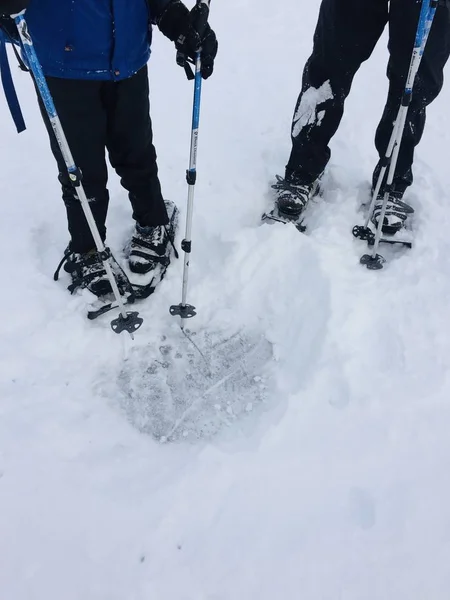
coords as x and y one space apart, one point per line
346 34
104 115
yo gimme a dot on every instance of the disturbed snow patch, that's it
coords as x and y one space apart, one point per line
192 388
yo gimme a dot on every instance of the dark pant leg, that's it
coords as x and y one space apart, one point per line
130 146
346 34
403 20
83 118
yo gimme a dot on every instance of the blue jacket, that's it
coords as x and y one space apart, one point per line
92 39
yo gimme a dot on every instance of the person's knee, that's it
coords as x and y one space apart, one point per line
426 91
95 189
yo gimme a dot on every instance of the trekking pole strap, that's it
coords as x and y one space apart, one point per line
8 84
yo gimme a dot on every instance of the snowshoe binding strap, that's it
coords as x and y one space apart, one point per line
8 83
65 258
80 280
162 260
172 242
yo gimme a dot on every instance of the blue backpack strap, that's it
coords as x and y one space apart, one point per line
8 86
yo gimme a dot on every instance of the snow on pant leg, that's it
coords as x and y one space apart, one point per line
403 20
130 146
346 34
83 118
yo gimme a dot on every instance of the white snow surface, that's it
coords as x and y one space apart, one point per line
331 482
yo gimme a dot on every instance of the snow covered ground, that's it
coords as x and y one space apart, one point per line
327 475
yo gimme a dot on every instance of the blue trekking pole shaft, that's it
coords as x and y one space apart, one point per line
184 310
427 13
191 174
73 172
423 29
426 18
44 92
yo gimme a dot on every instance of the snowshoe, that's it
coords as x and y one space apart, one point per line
149 252
151 246
87 272
292 198
275 216
396 220
396 213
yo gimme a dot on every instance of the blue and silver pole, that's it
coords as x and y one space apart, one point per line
427 13
125 318
185 310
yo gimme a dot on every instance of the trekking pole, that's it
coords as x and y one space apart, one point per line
127 321
184 310
374 261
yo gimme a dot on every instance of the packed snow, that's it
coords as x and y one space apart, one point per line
307 112
307 454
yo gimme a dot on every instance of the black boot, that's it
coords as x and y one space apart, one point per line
292 195
151 246
87 272
396 213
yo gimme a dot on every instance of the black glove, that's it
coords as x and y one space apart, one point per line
179 25
13 7
8 26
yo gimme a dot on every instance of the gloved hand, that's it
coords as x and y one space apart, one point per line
179 25
12 7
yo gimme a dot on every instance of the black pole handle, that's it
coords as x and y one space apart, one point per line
200 14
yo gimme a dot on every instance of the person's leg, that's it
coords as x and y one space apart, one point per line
131 150
83 119
403 21
346 34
